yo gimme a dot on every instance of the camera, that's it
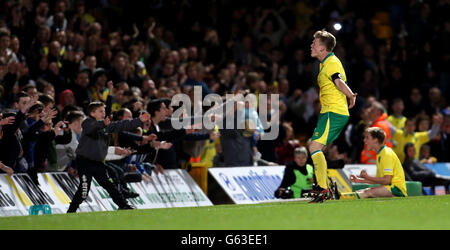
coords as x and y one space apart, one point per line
284 193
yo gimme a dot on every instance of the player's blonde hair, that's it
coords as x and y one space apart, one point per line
326 38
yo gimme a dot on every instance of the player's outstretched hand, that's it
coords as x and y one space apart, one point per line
352 101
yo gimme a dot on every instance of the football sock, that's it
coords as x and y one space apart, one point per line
350 196
320 168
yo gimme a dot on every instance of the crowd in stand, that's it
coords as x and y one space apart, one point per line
56 57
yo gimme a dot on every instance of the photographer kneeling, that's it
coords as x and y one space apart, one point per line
298 176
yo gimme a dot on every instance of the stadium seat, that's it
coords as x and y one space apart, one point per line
414 188
40 209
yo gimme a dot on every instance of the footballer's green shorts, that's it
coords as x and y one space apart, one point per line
396 191
328 128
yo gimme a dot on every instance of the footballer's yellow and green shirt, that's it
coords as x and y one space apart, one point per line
389 164
331 98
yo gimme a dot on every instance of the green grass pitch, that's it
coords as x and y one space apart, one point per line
411 213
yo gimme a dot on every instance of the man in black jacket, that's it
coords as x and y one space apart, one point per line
92 150
164 158
11 145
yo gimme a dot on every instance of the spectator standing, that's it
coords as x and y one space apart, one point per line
80 89
11 144
271 26
92 150
417 138
397 119
66 152
415 104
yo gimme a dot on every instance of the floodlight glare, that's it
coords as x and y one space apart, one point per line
337 26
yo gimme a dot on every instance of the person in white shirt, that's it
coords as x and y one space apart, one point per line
66 153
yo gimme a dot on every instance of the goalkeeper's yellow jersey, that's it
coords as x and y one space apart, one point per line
331 98
389 164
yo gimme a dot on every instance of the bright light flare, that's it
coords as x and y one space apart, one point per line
337 26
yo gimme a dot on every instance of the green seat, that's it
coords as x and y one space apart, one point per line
413 188
40 209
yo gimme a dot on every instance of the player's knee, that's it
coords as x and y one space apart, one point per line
367 193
